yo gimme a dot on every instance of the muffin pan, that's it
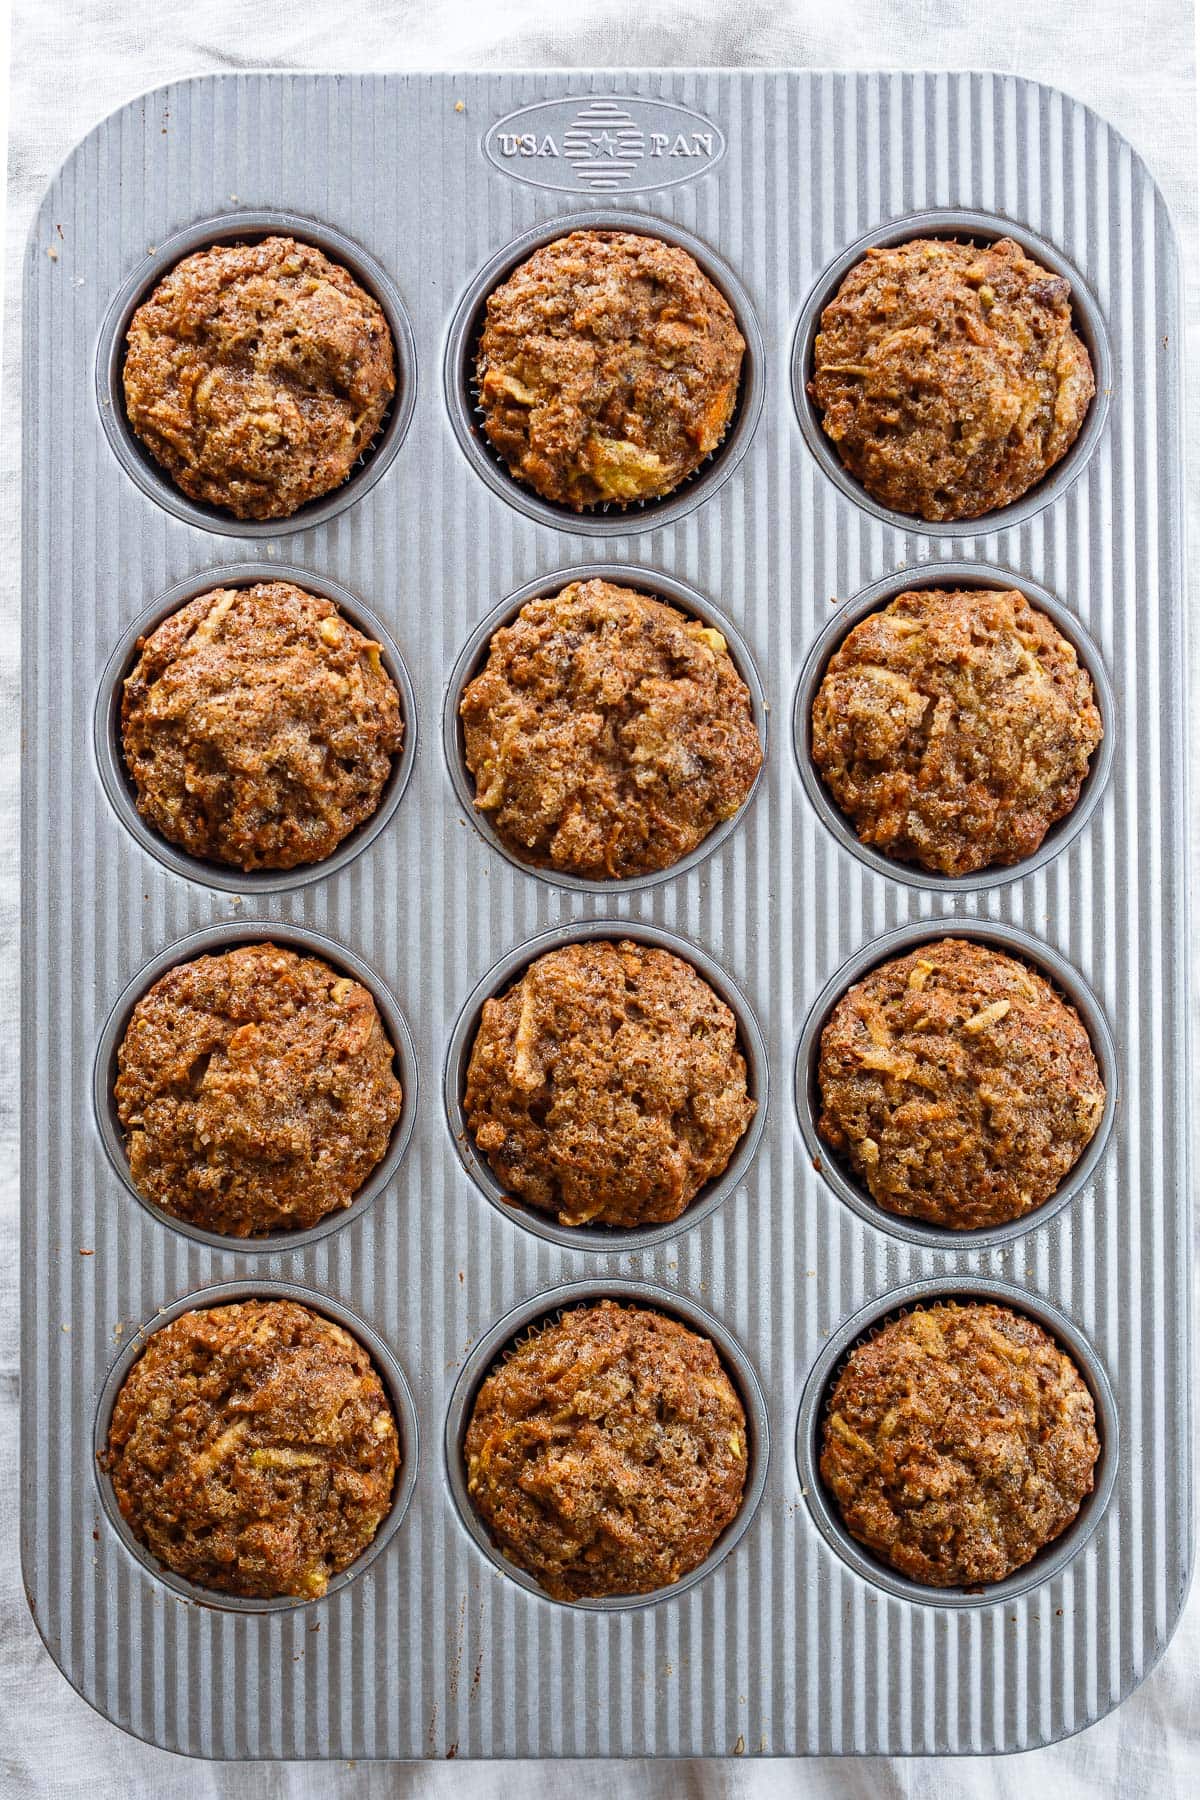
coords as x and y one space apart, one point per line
790 1638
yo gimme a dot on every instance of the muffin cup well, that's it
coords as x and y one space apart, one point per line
110 758
240 228
605 520
474 655
1012 941
390 1372
873 599
980 228
1056 1555
210 942
607 1239
543 1309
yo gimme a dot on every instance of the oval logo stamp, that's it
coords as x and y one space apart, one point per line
604 144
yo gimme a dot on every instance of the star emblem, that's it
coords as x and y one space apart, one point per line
604 145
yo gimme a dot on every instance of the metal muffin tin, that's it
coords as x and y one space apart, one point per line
791 1639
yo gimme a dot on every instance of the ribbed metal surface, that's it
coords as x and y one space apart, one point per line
782 1649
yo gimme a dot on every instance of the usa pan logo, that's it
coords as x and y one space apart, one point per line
604 145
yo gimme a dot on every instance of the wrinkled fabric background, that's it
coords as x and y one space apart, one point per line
73 61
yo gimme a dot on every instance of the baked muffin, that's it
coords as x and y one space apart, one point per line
958 1085
959 1440
256 1090
949 376
606 1086
607 733
259 726
954 727
253 1449
257 374
607 368
607 1452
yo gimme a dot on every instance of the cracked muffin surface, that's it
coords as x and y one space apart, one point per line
607 368
954 727
257 374
259 727
607 1453
606 1085
608 734
960 1088
253 1449
256 1090
959 1440
949 376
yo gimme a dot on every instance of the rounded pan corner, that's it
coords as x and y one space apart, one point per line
76 1684
1073 1728
97 130
1103 123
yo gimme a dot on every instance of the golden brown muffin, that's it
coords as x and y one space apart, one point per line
256 1089
959 1441
253 1449
257 374
954 728
949 376
607 733
606 1086
259 726
607 1453
958 1085
607 369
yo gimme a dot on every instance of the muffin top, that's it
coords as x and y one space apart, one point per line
256 1090
949 376
959 1440
958 1085
606 1086
607 733
607 1452
607 368
253 1449
257 374
259 726
954 727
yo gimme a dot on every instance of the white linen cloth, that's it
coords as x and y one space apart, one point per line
73 61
